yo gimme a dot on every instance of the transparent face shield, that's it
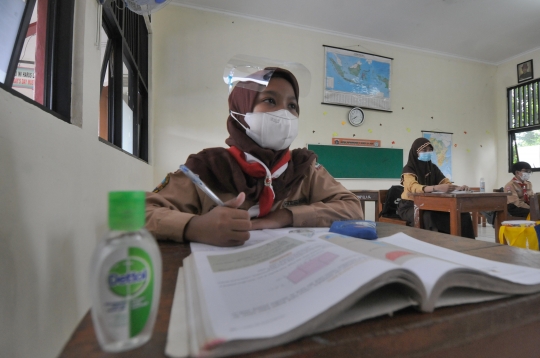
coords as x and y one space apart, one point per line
251 72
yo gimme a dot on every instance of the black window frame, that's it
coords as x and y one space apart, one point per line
58 57
523 114
127 44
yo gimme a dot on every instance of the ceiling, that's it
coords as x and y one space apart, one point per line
489 31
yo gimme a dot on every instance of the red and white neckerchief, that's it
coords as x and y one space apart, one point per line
523 186
254 167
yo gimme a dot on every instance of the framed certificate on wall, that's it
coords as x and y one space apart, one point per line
525 71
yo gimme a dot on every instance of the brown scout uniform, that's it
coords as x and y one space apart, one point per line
516 196
318 201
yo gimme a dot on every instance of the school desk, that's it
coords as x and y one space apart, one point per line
503 328
457 203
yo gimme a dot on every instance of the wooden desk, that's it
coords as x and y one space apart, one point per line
368 195
501 328
456 204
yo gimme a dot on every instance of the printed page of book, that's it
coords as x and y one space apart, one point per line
431 270
258 236
304 231
186 323
270 288
513 273
255 237
496 279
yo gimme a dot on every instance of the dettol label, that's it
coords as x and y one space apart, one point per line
130 283
125 294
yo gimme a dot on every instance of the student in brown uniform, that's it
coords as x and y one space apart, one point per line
521 190
420 175
263 184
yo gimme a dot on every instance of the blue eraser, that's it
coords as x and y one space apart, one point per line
361 229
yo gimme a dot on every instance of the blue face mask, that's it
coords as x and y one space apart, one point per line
424 156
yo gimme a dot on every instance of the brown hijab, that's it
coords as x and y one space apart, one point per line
220 171
426 173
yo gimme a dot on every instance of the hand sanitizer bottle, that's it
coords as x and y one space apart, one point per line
482 185
125 276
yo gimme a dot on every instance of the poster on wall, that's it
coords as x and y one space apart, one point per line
24 78
442 150
356 79
356 142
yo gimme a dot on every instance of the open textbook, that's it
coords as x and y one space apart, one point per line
297 284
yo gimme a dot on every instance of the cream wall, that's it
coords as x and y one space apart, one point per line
55 178
507 77
192 47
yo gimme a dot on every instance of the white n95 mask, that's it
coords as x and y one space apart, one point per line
525 176
271 130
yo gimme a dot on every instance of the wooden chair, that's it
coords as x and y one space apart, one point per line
534 203
382 199
368 195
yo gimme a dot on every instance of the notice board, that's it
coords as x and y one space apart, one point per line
348 162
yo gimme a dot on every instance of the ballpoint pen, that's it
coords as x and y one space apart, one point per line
197 181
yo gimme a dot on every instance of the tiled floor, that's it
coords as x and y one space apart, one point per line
486 233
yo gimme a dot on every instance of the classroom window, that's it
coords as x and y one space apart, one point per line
524 124
36 52
123 118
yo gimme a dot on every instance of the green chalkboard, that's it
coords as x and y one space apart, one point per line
345 162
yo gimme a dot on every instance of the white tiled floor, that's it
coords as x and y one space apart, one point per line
486 233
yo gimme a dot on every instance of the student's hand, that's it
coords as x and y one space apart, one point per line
464 188
274 220
221 226
445 188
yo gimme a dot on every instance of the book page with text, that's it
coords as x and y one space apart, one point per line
513 273
447 283
258 236
268 289
429 269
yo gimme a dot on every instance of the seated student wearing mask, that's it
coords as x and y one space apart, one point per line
521 190
420 175
263 184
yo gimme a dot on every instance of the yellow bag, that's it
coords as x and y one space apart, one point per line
519 236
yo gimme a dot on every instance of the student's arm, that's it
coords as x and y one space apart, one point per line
445 181
329 201
274 220
221 226
411 185
445 186
169 210
452 186
180 212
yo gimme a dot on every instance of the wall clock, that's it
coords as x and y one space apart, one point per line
356 116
